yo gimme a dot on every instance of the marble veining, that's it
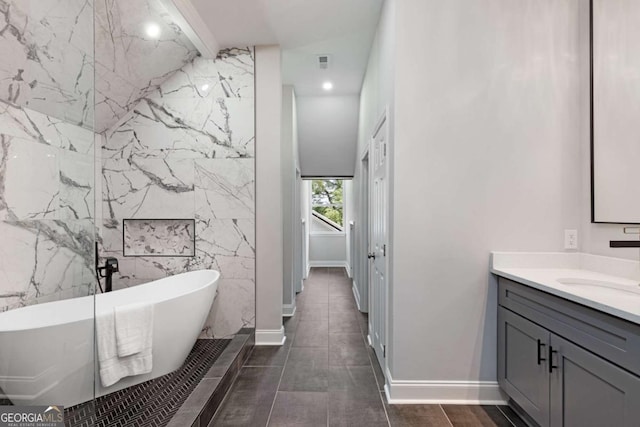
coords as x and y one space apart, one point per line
186 150
56 51
38 127
159 237
176 136
50 43
46 209
130 64
45 260
47 193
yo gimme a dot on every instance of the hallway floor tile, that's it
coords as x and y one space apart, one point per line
327 375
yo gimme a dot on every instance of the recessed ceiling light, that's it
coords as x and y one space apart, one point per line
205 87
327 85
153 30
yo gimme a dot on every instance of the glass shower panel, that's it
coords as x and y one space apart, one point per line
47 203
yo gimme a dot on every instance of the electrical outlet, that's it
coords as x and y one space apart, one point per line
571 239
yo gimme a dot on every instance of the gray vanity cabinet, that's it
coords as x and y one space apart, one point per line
566 365
522 364
587 390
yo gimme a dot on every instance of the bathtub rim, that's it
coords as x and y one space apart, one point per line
86 308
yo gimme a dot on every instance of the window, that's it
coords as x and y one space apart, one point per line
327 204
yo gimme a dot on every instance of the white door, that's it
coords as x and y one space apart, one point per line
378 241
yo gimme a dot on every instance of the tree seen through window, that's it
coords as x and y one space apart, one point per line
327 199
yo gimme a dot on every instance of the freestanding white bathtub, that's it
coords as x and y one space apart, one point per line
47 351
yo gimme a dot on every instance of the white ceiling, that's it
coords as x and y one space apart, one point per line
344 29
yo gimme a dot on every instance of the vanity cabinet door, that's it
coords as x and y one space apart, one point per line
522 365
587 390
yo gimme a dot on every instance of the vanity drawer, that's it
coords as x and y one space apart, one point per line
614 339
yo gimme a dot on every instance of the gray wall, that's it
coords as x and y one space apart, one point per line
376 95
486 157
327 249
328 127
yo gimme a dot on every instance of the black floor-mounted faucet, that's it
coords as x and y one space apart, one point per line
106 271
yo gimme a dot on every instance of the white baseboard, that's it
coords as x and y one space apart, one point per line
342 264
443 392
270 336
348 267
356 294
369 337
288 310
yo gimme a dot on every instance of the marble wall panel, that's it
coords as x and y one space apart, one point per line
186 151
54 57
227 245
43 260
46 209
232 77
233 308
76 191
50 43
224 188
148 188
38 127
31 185
129 63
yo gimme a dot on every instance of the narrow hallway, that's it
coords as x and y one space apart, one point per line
326 374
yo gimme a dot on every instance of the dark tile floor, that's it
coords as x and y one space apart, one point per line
327 375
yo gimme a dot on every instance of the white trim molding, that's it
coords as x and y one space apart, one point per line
270 336
443 392
288 310
328 264
356 293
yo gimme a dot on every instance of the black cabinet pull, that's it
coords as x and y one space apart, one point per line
551 353
540 358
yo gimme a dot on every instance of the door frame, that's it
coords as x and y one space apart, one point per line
364 235
384 118
298 235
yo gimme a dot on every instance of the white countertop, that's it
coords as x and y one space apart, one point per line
546 271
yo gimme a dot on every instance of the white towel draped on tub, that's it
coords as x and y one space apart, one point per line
113 367
134 328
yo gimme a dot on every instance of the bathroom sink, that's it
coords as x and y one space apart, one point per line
601 286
